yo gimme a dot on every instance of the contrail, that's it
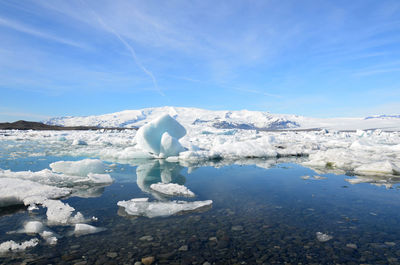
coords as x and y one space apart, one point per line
129 47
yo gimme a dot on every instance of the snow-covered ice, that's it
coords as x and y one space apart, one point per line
242 119
142 207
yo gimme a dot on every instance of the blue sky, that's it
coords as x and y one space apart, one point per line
314 58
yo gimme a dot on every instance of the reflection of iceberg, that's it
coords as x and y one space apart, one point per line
385 181
158 171
160 177
142 207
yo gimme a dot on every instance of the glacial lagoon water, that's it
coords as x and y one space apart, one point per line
258 216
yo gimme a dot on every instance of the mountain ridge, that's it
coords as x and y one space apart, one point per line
226 119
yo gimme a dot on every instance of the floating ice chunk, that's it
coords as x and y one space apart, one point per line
61 213
78 168
378 168
52 240
16 191
172 189
12 246
150 136
321 237
141 206
100 178
305 177
79 142
85 229
36 227
319 177
33 227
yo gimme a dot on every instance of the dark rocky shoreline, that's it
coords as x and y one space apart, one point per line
31 125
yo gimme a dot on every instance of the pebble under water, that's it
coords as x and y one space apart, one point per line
258 216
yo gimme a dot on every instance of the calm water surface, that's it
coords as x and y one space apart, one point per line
258 216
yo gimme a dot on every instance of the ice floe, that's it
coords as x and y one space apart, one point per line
17 191
45 188
78 168
191 136
142 207
172 189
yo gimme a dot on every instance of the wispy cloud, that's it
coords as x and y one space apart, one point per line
129 48
31 31
377 71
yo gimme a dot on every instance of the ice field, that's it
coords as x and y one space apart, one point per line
167 140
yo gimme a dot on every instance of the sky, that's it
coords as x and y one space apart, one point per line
313 58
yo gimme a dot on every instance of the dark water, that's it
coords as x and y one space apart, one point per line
258 216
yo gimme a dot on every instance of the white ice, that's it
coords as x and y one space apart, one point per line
85 229
218 134
37 227
321 237
172 189
78 168
378 168
142 207
160 136
12 246
59 213
17 191
33 227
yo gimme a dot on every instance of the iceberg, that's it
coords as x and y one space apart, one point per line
160 137
142 207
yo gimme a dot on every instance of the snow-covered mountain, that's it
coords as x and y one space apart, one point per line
243 119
